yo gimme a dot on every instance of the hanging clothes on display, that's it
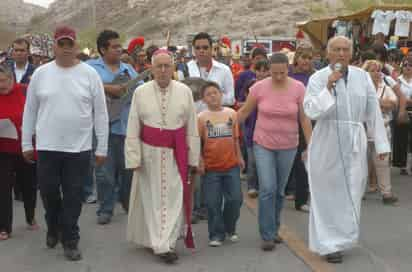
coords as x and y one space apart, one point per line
342 28
382 21
403 21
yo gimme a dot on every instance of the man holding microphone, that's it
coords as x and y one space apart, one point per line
341 98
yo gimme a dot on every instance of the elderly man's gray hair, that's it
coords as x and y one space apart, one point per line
338 38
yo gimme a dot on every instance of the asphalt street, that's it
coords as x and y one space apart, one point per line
385 244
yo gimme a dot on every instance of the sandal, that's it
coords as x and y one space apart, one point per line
4 236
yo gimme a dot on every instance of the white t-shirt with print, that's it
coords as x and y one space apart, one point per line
403 20
382 21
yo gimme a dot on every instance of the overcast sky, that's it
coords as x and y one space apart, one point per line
43 3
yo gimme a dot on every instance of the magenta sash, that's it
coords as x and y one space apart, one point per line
176 140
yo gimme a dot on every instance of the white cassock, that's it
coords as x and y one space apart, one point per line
156 200
337 157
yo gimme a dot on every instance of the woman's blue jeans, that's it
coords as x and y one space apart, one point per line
273 168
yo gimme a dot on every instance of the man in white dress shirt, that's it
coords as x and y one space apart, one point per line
206 67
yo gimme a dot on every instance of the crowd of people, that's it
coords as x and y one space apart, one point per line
323 132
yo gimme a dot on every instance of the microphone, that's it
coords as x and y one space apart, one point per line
338 67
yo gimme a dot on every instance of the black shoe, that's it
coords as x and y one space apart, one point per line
52 240
278 240
72 252
336 257
169 257
268 245
104 219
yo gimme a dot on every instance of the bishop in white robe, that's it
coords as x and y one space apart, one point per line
162 112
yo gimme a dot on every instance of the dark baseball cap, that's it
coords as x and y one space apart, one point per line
64 32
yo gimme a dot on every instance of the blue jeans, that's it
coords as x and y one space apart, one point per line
112 178
219 187
273 167
252 178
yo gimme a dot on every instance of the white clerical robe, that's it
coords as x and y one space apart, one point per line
156 200
337 157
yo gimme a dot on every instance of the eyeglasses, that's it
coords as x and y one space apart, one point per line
204 47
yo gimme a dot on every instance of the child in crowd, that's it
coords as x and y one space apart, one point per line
220 163
262 72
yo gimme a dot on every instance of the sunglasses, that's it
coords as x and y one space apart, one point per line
204 47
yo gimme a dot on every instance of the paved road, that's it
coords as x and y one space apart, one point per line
386 232
105 249
385 244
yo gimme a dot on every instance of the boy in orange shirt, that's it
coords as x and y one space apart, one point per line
221 163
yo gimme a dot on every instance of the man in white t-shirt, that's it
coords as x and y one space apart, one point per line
65 100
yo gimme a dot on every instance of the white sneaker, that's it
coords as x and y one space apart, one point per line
91 199
215 243
305 208
234 238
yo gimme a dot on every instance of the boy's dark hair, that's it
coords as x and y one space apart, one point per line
203 36
208 85
258 51
262 64
22 41
279 58
103 40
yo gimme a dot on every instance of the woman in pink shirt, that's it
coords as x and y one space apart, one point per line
278 100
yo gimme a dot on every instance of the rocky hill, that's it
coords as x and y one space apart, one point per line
152 18
15 15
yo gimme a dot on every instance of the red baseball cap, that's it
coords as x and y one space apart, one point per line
64 32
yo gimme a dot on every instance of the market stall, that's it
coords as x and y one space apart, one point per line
393 20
